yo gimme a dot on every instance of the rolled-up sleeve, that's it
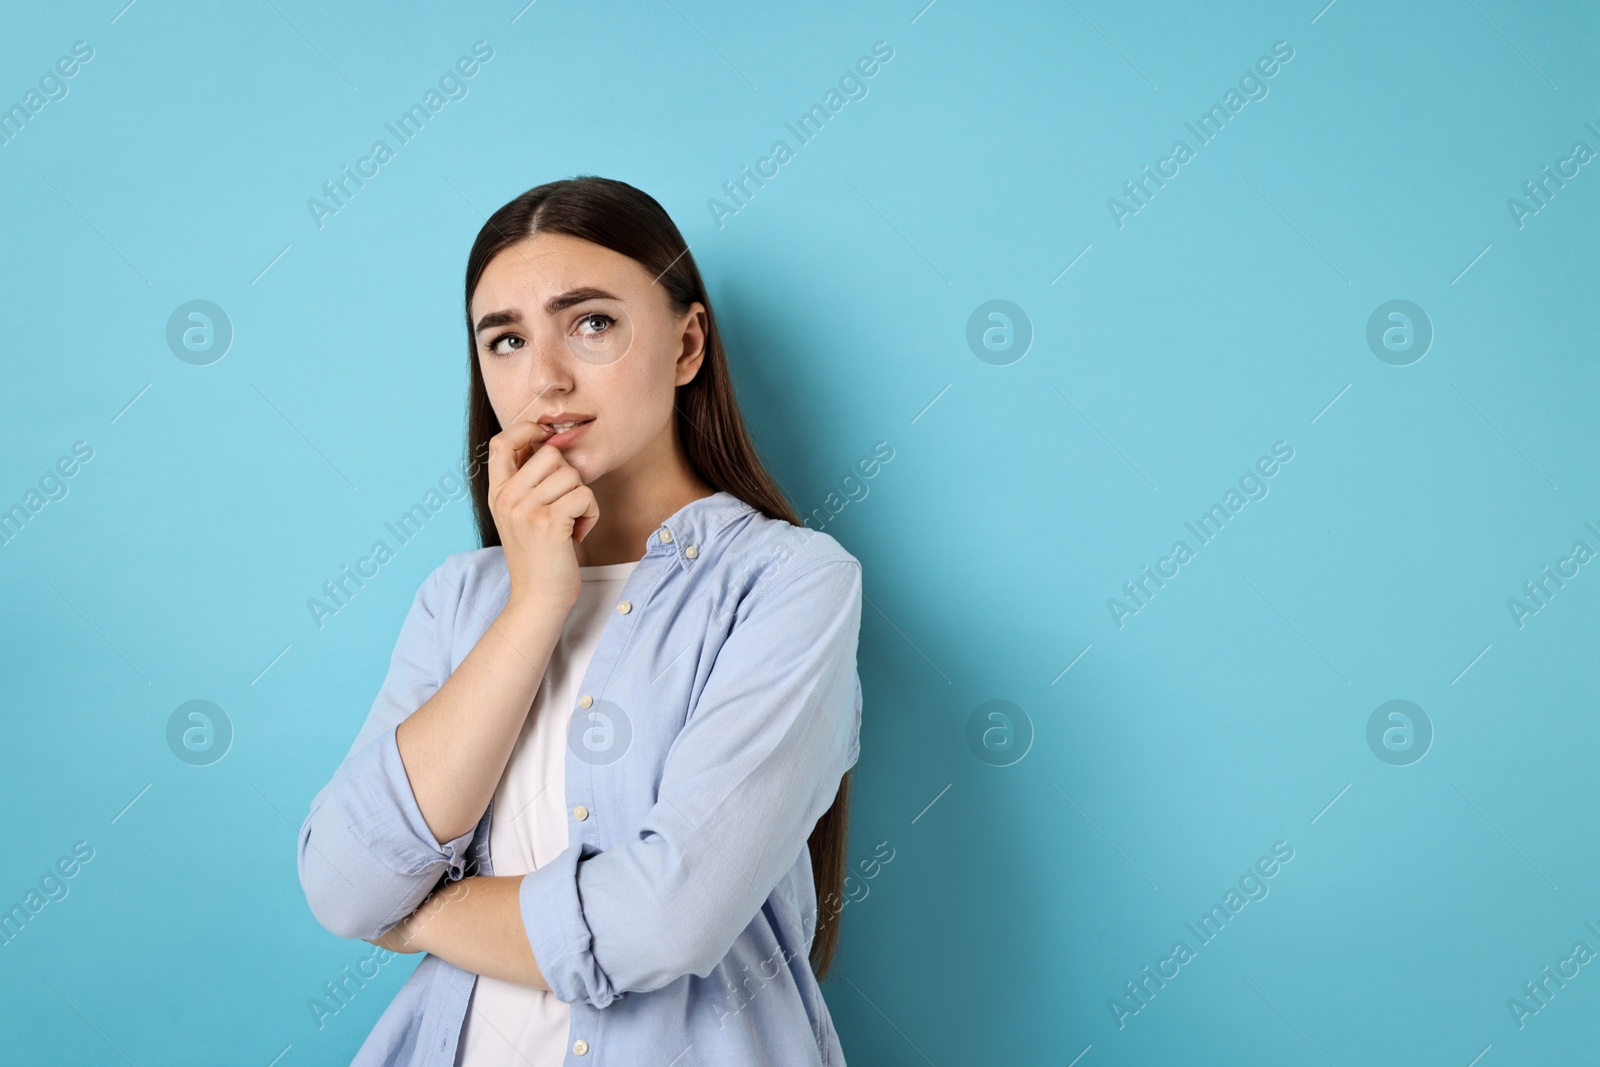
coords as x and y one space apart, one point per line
757 763
366 856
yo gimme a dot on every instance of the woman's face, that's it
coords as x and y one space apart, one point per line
569 330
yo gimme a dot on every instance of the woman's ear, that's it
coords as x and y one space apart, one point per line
692 350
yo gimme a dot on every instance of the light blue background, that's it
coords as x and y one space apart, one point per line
1229 314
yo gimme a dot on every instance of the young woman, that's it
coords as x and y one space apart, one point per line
604 785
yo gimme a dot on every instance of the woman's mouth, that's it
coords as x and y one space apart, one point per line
565 433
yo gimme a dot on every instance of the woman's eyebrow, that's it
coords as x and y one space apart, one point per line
575 296
556 303
498 318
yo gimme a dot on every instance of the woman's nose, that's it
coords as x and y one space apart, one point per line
549 367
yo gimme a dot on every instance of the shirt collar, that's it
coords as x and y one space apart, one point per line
695 527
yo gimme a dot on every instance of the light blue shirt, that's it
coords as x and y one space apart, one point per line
718 712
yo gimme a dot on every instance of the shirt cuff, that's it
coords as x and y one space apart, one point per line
381 811
558 933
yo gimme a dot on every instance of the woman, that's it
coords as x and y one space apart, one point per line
604 785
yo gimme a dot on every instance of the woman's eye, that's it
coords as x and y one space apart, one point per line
594 323
494 346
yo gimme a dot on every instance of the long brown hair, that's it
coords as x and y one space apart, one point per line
617 216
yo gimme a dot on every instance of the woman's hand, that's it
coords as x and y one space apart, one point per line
542 509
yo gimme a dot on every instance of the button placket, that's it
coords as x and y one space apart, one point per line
580 812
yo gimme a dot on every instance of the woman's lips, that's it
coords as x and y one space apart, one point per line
567 437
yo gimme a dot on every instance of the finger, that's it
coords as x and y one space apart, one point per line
524 450
581 507
506 449
543 479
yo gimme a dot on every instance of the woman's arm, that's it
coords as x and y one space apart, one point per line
475 924
456 746
368 854
403 807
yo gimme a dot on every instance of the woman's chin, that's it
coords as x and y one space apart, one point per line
583 464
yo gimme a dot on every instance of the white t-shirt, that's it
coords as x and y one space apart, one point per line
510 1025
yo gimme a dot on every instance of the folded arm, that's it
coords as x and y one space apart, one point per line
476 924
366 858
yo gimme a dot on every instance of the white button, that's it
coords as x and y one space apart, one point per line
691 552
623 607
580 1046
580 813
585 700
665 535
